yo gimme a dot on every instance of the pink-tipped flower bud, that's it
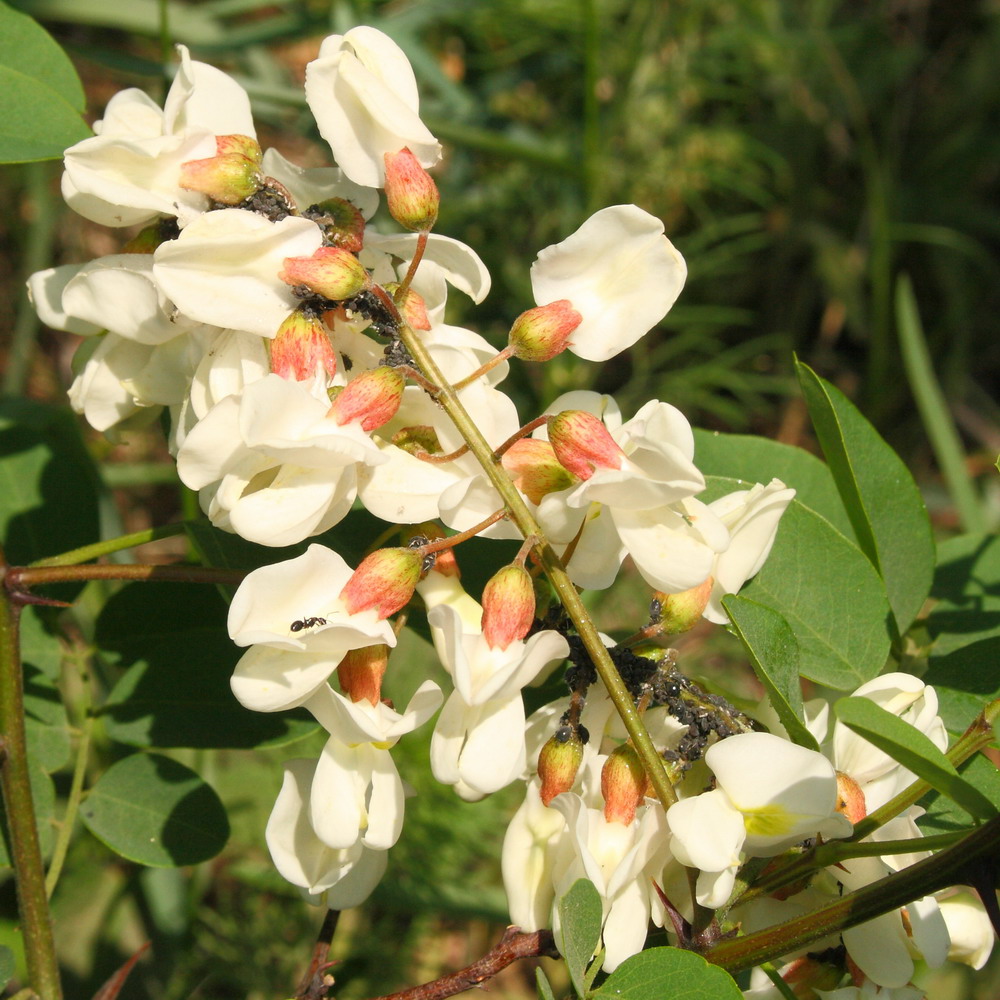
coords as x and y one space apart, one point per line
445 561
559 761
804 976
410 192
583 444
342 223
384 582
623 784
413 308
541 333
508 606
361 671
371 399
679 612
229 177
532 464
334 273
850 798
301 348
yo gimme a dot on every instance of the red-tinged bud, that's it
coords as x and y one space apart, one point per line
582 443
623 784
410 192
850 798
331 272
508 606
371 399
384 582
542 333
360 673
302 347
417 438
342 223
679 612
536 471
413 308
558 762
229 177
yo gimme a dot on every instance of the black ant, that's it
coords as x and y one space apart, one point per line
301 623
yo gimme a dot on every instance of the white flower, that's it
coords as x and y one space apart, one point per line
357 793
478 741
128 172
969 929
275 468
339 877
619 272
291 615
752 517
363 94
770 795
223 268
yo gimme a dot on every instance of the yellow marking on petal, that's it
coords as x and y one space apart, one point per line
768 821
383 744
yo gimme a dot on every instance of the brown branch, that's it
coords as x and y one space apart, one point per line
314 983
514 945
20 579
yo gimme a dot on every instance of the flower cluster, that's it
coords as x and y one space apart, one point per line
264 311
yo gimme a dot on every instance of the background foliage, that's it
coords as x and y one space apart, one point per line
802 157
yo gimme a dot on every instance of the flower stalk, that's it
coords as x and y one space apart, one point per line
522 517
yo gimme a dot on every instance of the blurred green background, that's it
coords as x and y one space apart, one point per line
802 155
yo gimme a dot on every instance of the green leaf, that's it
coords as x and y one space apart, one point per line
830 596
885 507
48 483
43 96
964 627
759 460
7 966
913 750
580 917
943 815
172 637
661 973
774 655
40 647
544 986
152 810
45 722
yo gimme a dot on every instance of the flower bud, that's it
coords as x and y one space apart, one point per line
372 398
342 223
302 347
558 762
582 443
410 193
536 471
331 272
541 333
413 308
360 673
804 976
508 606
623 784
417 439
850 798
152 236
229 177
679 612
384 582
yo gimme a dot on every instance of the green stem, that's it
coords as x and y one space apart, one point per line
522 517
25 852
88 552
950 867
72 805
